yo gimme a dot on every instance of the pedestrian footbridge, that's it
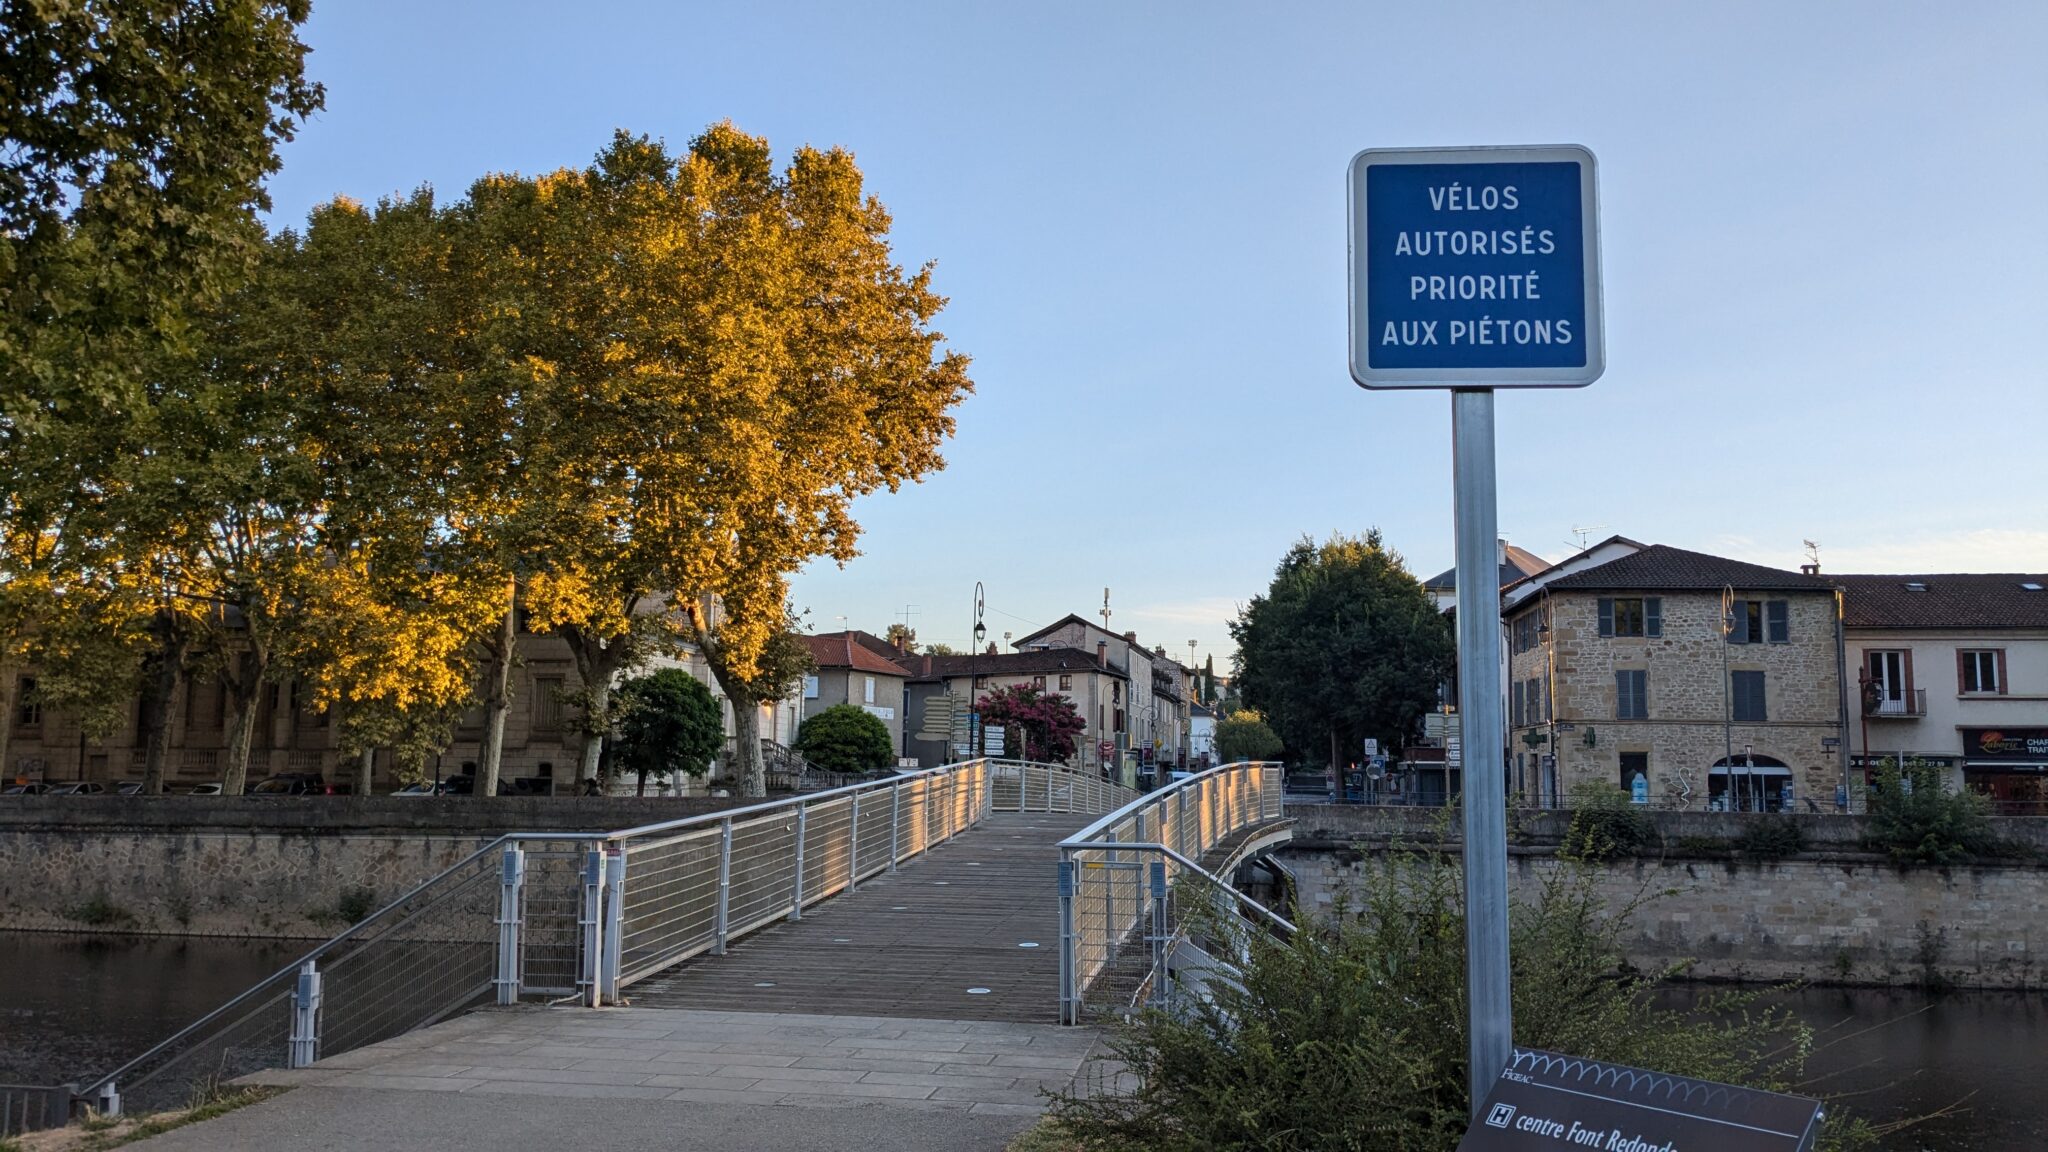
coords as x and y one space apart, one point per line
992 890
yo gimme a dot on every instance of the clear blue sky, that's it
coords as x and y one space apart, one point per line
1826 264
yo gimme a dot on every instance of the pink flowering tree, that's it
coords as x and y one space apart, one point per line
1049 723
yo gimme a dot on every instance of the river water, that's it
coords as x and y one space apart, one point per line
72 1007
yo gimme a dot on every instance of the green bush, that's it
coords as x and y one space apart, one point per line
668 724
844 738
1605 824
1772 838
1351 1035
1246 736
1915 819
99 912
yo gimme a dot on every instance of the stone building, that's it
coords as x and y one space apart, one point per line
1952 669
1100 692
1153 724
1630 672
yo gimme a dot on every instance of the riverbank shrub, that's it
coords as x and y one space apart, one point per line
1916 819
1772 838
1351 1034
1605 824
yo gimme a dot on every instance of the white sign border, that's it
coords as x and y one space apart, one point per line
1412 378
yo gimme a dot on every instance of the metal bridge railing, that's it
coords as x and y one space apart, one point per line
1114 876
573 915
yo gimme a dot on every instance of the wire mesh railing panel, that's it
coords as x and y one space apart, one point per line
440 961
879 829
33 1107
551 939
763 871
251 1038
1006 787
827 859
670 905
915 822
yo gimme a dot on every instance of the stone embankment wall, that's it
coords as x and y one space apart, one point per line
1834 914
275 867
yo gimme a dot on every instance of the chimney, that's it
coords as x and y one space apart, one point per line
1500 551
1810 569
1102 653
927 664
1130 637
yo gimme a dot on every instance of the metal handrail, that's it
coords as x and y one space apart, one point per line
1193 783
1277 920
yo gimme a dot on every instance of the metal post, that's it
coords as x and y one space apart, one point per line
614 924
109 1100
853 849
1110 934
724 886
511 923
796 896
590 922
1180 820
305 1038
1490 1030
1070 986
895 824
1159 932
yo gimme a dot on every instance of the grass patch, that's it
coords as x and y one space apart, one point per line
99 912
1044 1136
101 1133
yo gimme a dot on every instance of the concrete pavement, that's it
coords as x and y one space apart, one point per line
511 1079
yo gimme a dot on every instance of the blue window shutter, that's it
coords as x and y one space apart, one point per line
1606 616
1653 616
1740 633
1778 613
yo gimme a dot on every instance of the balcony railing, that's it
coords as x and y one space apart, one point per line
1909 706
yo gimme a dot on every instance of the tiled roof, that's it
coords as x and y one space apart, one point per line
1520 563
839 650
1010 664
1949 600
1661 567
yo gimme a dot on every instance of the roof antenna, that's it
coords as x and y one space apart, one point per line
1582 533
1105 609
1812 565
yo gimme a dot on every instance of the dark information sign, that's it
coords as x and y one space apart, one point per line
1545 1102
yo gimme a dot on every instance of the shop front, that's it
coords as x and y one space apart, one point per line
2008 766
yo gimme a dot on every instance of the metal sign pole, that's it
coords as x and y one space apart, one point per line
1490 1027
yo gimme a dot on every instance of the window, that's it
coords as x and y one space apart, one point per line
1632 616
1981 670
1891 676
868 690
1746 697
1758 621
1038 682
547 704
1631 694
1634 766
1526 628
1066 682
28 711
1116 693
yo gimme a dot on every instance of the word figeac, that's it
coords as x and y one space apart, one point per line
1455 241
1578 1135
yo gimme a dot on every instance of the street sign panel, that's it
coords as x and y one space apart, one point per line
1543 1100
1475 268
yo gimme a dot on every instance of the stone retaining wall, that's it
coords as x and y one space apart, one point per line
1831 915
276 867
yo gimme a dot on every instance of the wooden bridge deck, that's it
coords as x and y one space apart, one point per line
969 931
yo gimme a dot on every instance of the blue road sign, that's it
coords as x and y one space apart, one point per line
1475 268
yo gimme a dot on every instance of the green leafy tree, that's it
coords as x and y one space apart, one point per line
1209 681
1344 645
669 724
903 637
1246 736
1917 819
845 738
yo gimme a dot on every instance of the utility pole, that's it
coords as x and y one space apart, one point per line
1105 609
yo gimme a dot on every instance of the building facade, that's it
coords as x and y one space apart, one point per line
1153 725
942 691
850 671
1952 670
1687 680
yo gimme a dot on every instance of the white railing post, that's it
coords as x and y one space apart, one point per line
1070 983
590 923
614 924
853 849
895 824
796 896
511 917
1160 933
724 887
1110 934
1180 820
108 1100
305 1038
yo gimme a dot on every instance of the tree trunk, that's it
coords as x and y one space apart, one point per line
641 789
591 766
245 684
598 662
10 686
746 736
498 697
165 677
366 771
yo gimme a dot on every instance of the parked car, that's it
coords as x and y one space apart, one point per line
209 789
421 790
465 785
128 788
35 789
293 784
78 788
